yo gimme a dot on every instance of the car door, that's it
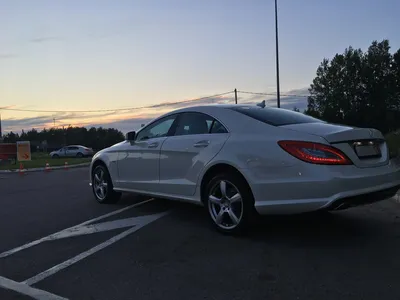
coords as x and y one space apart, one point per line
62 152
138 160
197 139
69 151
72 151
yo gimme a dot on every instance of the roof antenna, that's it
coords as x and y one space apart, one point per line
261 104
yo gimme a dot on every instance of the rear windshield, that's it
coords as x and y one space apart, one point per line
275 116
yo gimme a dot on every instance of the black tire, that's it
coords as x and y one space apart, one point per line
247 215
110 196
80 155
55 156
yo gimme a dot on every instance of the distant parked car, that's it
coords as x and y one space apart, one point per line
72 151
241 160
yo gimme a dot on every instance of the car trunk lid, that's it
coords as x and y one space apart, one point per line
366 147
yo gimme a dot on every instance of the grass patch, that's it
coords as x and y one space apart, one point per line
39 160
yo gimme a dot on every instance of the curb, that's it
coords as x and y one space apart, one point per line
42 169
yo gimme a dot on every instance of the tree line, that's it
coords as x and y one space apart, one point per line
50 139
357 88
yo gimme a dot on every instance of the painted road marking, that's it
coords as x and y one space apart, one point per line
135 223
129 222
27 290
51 236
105 226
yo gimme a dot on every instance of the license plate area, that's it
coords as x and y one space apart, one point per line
367 149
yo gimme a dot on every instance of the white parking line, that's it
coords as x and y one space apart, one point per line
144 221
52 236
105 226
27 290
82 229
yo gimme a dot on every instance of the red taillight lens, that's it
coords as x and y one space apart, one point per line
315 153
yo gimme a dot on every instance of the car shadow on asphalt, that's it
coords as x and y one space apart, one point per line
128 199
310 228
348 227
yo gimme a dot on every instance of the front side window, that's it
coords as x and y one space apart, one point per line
275 116
159 128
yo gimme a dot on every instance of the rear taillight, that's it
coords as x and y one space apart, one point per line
315 153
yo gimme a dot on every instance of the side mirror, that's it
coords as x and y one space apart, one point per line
130 136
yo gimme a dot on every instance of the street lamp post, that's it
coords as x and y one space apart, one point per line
278 93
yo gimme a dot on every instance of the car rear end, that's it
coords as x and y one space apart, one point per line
316 165
357 159
87 152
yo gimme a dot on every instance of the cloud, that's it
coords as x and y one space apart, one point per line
132 119
294 98
125 125
134 122
47 121
303 92
8 56
25 123
45 39
300 92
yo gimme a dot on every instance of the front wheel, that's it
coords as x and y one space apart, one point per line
102 186
230 203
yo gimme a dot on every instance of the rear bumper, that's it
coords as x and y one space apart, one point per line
363 199
318 188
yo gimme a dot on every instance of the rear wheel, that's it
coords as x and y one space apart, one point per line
230 203
102 186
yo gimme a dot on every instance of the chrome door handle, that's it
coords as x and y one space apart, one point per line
153 145
201 144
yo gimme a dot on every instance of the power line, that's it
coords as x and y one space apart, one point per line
116 109
273 94
145 107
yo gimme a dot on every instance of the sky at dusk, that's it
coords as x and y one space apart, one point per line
96 54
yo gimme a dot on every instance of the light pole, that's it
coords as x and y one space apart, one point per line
278 93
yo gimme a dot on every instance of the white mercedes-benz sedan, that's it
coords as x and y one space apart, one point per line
241 160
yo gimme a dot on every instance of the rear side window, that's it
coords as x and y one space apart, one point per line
275 116
198 123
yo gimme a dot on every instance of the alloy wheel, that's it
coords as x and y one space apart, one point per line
100 184
225 205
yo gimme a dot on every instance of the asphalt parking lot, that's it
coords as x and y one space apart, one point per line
56 242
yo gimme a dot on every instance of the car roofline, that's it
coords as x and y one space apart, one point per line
195 108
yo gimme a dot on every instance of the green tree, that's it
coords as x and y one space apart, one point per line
358 89
11 137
